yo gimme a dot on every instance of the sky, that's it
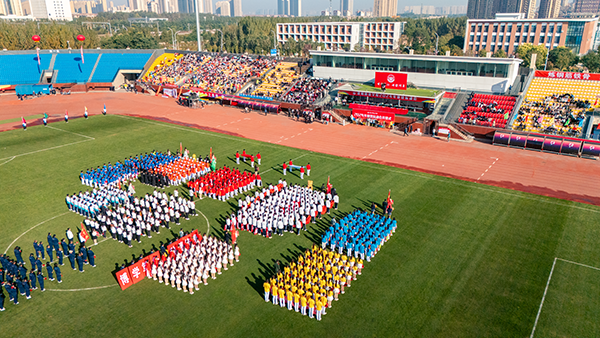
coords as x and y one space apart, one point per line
315 7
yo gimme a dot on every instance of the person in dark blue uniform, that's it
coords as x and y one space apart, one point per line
22 271
20 286
64 246
91 257
32 260
2 297
60 256
55 242
36 248
50 272
27 288
71 246
49 251
18 255
58 273
1 275
83 251
80 262
40 279
38 264
71 257
41 248
32 279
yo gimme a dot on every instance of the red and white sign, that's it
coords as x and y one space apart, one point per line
124 279
444 131
137 272
567 75
386 96
391 80
375 115
397 111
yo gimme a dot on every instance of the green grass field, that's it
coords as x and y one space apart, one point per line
468 260
409 91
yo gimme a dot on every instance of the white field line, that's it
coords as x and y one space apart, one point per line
66 131
12 158
580 264
207 223
543 298
33 227
84 289
38 151
490 167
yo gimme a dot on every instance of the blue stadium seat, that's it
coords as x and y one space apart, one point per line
22 69
110 64
71 69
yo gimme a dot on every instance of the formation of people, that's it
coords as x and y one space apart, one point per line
290 166
225 183
311 284
281 208
192 262
359 234
175 173
140 217
89 203
18 280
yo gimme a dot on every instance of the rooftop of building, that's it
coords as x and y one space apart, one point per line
419 57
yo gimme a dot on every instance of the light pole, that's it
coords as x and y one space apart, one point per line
437 40
172 37
176 43
221 50
198 25
69 44
547 54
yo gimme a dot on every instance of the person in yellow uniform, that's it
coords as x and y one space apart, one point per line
329 298
275 294
311 308
303 302
282 297
324 302
290 298
319 306
267 287
296 301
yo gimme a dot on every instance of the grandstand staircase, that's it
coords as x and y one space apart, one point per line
337 118
456 108
460 132
94 69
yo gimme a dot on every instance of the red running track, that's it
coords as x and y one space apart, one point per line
546 174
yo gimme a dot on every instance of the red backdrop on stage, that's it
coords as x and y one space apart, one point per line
391 80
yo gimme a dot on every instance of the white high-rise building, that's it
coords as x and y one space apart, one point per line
11 7
59 10
347 7
38 9
236 7
207 7
222 8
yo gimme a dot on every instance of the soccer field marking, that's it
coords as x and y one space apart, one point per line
84 289
488 168
12 158
207 222
548 284
66 131
51 148
33 227
537 317
376 150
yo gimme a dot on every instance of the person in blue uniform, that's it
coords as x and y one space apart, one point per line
20 286
71 257
1 275
40 279
55 242
71 246
91 257
32 260
2 297
60 256
49 251
84 255
27 288
80 262
41 249
36 248
58 274
18 256
64 245
38 264
22 271
50 272
32 279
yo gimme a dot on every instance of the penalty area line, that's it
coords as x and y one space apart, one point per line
67 131
51 148
84 289
207 222
543 298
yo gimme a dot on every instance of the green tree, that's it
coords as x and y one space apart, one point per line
500 53
525 51
482 53
591 61
561 58
140 38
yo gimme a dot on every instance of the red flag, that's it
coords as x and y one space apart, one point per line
210 155
328 185
84 234
137 271
180 148
234 236
124 279
82 61
23 120
387 202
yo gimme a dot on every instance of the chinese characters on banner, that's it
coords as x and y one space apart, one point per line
124 279
567 75
391 80
375 115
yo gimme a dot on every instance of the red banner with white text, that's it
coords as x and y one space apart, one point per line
375 115
137 272
124 278
567 75
391 80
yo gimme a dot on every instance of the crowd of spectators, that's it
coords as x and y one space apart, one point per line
307 91
558 114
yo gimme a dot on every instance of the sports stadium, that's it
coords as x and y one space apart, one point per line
209 194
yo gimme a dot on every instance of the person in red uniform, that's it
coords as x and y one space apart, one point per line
284 168
252 161
237 157
308 169
301 173
291 164
258 158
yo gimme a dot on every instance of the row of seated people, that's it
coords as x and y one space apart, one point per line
168 71
558 114
307 90
277 81
228 73
487 110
